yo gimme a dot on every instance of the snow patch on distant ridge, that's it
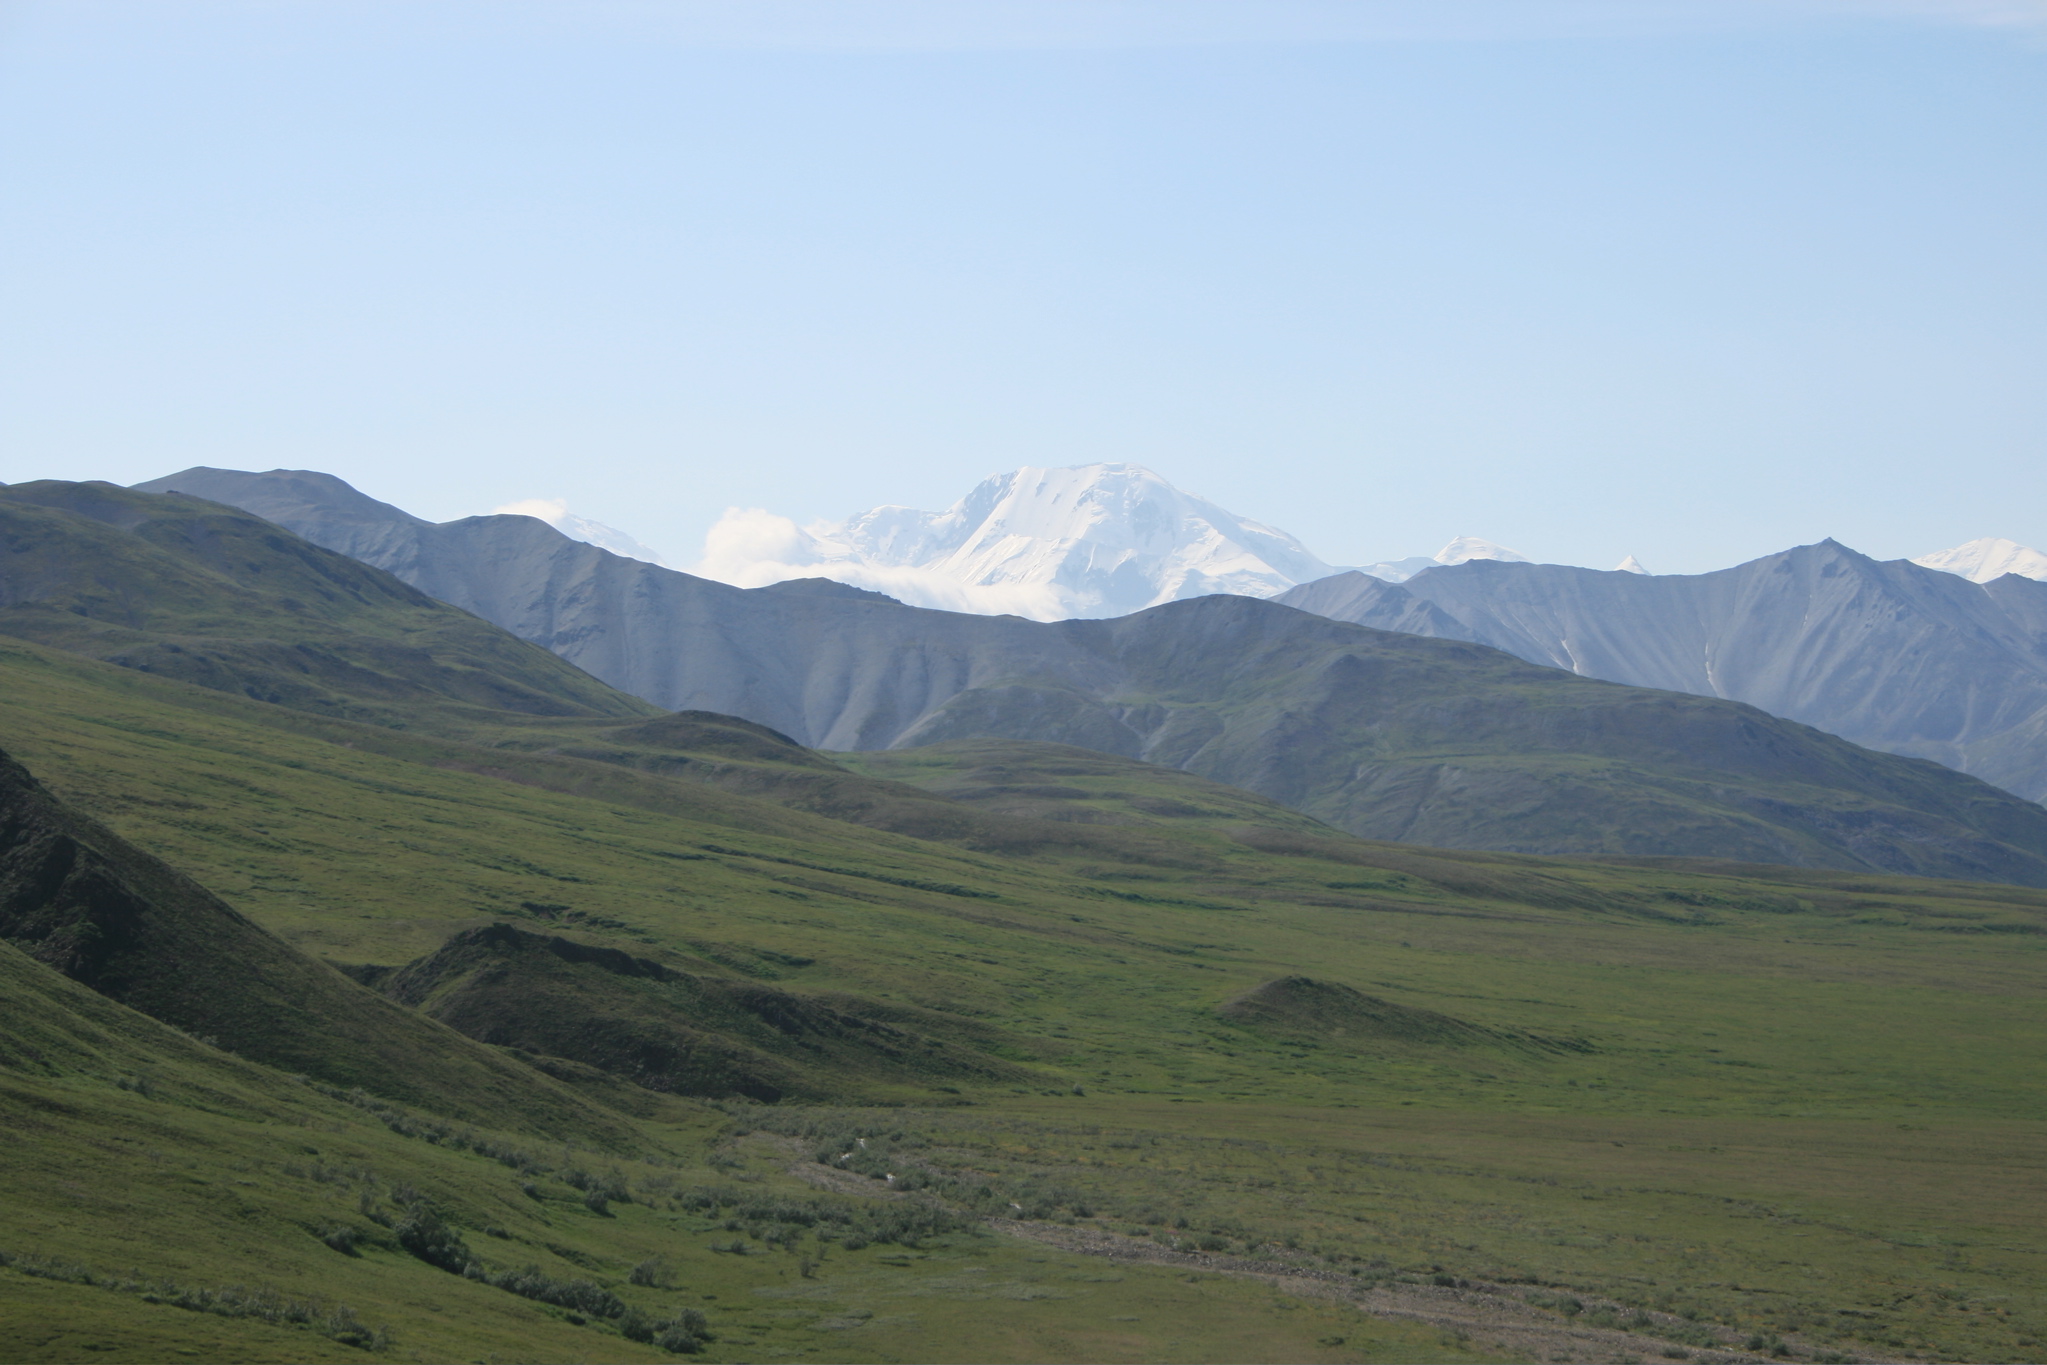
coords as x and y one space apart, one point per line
555 513
1986 558
1049 544
1459 551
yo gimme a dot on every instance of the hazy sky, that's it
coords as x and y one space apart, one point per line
1690 281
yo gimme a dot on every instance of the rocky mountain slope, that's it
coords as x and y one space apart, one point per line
1894 656
1381 734
556 513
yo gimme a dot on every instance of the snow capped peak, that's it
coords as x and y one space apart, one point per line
1467 548
1631 565
1089 540
555 513
1986 558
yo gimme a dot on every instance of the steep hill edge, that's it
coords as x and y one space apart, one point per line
81 900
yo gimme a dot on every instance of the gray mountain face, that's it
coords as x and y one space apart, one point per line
1387 735
1892 655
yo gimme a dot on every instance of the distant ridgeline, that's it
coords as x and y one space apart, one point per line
1894 655
1937 658
1385 735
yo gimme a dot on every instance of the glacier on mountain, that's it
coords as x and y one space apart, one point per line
1986 558
555 513
1049 544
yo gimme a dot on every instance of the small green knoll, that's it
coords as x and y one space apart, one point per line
680 1032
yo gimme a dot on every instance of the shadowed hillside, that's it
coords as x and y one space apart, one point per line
82 900
677 1031
191 590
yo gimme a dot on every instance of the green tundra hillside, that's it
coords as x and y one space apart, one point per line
188 589
1471 1105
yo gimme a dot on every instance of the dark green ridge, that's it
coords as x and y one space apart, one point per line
204 593
685 1032
86 902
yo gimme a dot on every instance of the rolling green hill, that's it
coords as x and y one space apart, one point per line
1778 1103
85 902
679 1032
188 589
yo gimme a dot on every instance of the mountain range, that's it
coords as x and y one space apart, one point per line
1048 544
1089 540
1380 733
1893 655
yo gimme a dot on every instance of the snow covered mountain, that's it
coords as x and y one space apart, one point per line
1981 560
1050 544
1462 550
556 513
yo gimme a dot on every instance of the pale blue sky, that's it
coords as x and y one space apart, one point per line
1689 281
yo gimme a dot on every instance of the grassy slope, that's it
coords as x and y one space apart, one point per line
1826 1090
188 589
217 1173
1060 782
81 899
1461 746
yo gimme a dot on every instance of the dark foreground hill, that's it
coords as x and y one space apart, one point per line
1385 735
85 902
679 1032
1892 655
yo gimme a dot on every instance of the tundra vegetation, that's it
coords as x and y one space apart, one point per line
687 1042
